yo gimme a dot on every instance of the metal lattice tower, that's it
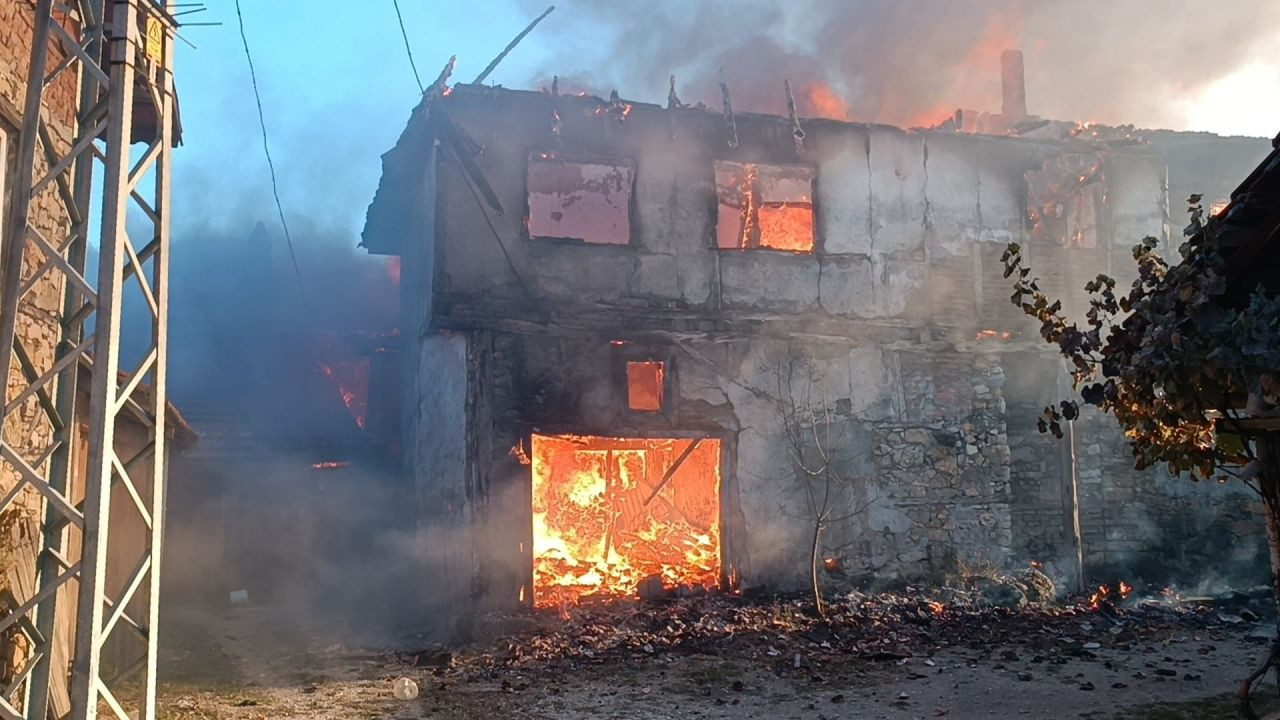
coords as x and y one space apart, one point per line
119 48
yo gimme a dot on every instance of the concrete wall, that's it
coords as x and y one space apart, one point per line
901 217
891 318
922 473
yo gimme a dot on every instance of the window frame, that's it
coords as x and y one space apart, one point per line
814 179
662 384
617 161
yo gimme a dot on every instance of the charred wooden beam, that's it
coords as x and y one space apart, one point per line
671 471
511 45
730 124
442 80
673 104
797 132
464 150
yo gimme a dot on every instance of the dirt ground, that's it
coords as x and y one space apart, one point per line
256 662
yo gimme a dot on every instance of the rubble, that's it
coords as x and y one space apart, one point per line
783 633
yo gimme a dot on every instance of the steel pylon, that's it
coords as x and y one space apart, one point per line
119 49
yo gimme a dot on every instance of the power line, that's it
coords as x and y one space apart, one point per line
266 149
407 48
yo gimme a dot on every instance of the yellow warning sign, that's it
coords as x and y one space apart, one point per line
155 39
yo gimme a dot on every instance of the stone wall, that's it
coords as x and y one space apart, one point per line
922 456
1161 528
944 472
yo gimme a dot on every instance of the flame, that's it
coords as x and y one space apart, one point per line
618 108
393 270
1102 593
1105 593
522 457
821 101
994 335
1087 129
786 226
784 223
595 529
750 199
352 382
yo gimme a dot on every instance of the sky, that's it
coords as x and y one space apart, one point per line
337 87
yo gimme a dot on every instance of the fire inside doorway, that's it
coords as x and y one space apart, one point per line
612 514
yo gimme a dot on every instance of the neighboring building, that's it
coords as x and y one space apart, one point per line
589 286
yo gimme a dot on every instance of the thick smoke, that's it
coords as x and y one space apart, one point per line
913 62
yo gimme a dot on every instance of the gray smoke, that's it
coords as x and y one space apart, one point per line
912 62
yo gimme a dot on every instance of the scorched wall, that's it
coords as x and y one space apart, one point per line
894 328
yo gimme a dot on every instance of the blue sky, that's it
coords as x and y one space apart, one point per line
336 91
337 88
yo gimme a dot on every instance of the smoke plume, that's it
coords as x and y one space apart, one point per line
913 62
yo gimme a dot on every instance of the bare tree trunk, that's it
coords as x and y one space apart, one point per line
813 570
1269 486
1268 451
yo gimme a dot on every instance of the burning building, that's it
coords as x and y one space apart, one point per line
627 329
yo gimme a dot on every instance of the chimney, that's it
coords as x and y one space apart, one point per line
1013 86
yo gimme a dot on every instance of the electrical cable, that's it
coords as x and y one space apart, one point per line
408 50
266 149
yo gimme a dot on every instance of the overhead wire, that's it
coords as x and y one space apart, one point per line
266 149
408 50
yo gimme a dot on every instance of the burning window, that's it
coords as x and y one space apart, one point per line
1066 200
585 201
612 513
645 385
764 206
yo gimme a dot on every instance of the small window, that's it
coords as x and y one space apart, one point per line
764 206
645 385
585 201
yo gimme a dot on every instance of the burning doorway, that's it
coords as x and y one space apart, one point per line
611 513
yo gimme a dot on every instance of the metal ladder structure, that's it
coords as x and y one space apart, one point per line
122 51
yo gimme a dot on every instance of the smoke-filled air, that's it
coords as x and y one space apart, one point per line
682 359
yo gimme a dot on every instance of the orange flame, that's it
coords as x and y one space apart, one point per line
821 101
352 382
609 513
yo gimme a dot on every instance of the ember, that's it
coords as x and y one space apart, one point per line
609 513
1109 596
994 335
352 382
